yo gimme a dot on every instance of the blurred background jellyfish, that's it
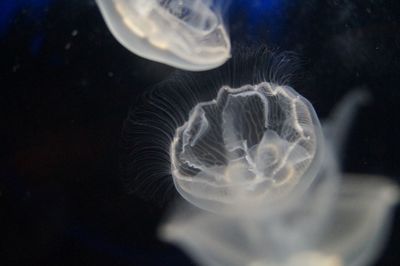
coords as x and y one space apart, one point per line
321 228
187 34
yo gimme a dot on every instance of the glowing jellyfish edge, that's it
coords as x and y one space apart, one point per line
185 34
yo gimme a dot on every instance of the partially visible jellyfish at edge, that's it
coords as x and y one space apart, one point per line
259 177
186 34
251 144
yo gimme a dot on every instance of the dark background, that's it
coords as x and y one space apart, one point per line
66 87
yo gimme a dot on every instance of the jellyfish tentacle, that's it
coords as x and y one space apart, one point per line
338 125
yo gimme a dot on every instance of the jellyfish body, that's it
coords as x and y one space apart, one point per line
338 220
253 143
251 97
187 34
260 181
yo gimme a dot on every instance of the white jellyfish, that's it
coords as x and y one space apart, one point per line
256 142
187 34
151 130
336 221
256 162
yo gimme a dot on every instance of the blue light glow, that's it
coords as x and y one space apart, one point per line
263 15
9 9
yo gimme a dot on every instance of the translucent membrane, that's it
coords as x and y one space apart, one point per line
360 219
253 143
337 220
187 34
315 230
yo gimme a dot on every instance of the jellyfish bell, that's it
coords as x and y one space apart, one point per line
335 221
340 220
219 137
187 34
254 143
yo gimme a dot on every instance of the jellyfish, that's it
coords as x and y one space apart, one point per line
181 109
257 179
338 220
257 142
186 34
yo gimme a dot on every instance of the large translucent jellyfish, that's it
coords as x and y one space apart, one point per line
260 180
256 142
278 124
336 221
187 34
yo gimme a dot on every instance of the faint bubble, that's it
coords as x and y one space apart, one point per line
68 46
